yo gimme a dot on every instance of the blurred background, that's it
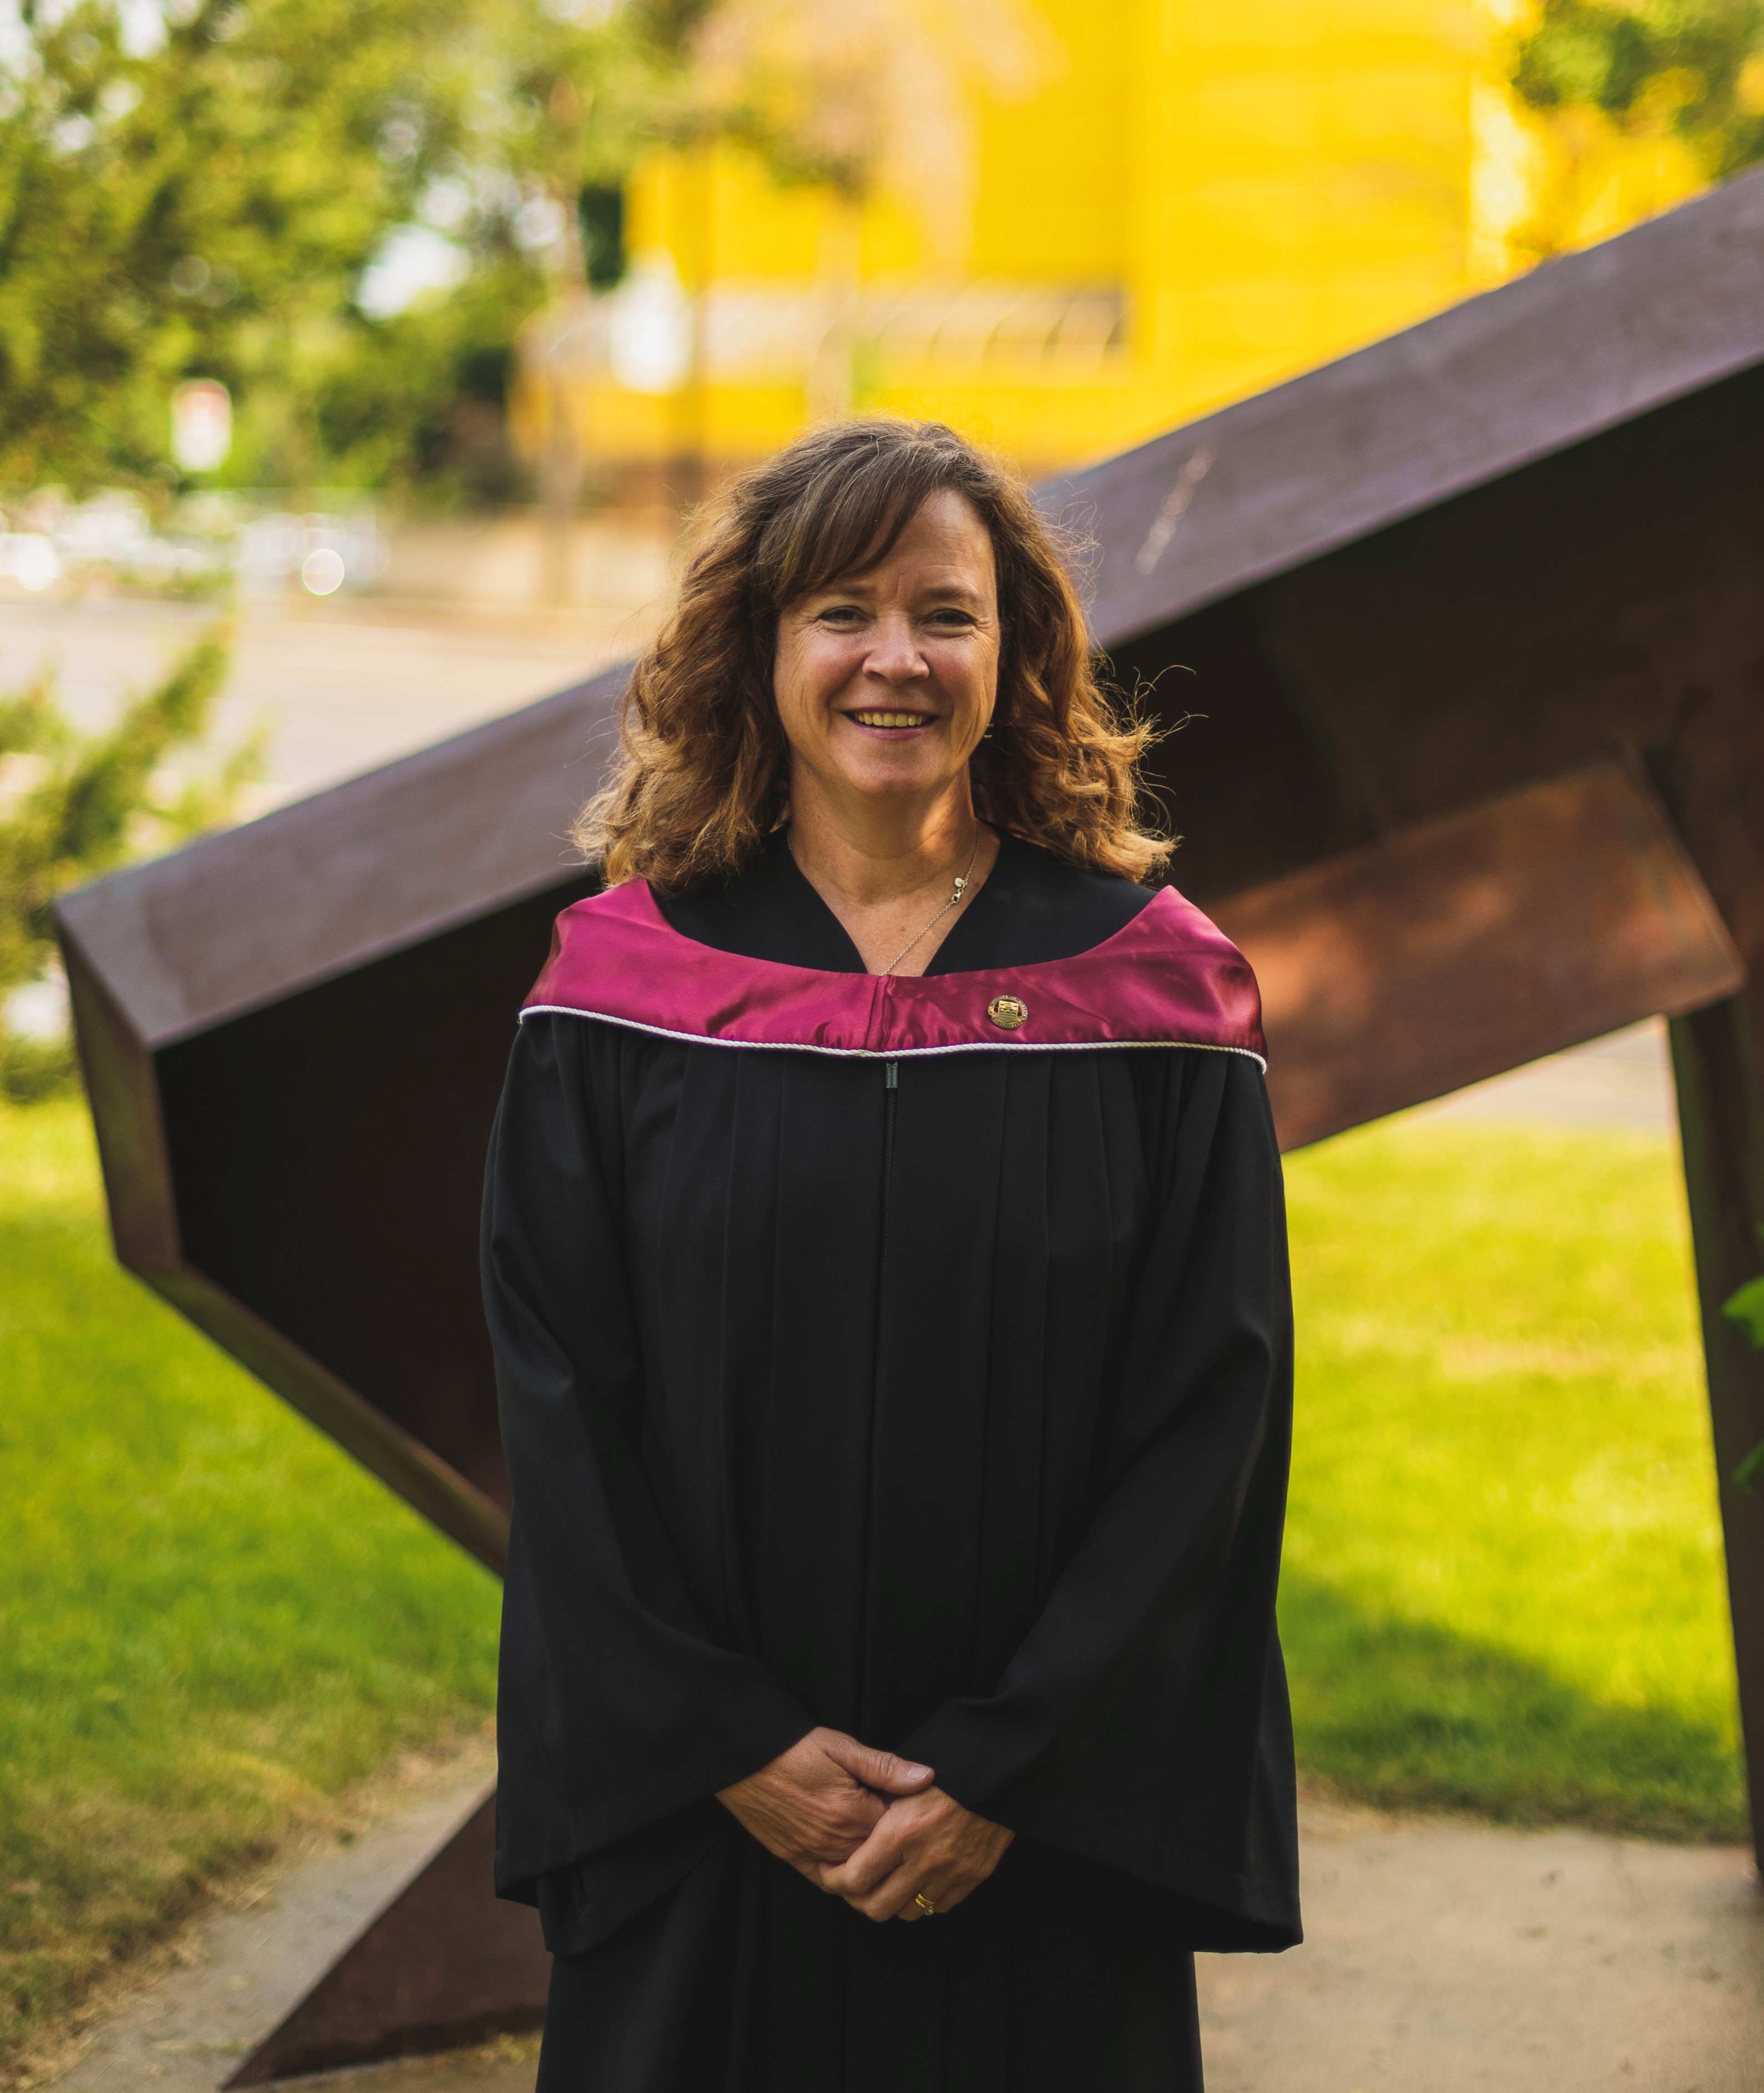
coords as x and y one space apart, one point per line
361 363
407 332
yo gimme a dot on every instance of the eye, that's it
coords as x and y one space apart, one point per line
839 614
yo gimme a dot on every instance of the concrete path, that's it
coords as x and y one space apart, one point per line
1443 1957
1452 1958
340 685
241 1968
1625 1080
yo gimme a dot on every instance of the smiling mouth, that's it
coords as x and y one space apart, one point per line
891 719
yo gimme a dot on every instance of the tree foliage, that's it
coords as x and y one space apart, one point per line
205 199
189 208
1693 67
75 805
1746 1308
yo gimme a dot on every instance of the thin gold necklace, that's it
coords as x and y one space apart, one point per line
960 888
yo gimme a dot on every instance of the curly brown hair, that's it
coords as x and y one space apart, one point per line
701 772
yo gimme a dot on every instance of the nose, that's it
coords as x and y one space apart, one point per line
894 655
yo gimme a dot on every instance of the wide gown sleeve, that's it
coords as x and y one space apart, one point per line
618 1716
1142 1725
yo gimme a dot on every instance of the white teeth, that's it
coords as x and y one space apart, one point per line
889 719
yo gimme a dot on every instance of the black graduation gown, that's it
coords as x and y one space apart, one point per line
946 1402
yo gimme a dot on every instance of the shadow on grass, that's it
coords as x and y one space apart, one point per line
1409 1715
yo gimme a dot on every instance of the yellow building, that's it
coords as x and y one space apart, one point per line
1186 201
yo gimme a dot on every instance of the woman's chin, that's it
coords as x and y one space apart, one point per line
882 788
903 769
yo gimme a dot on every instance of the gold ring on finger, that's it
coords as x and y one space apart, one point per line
924 1904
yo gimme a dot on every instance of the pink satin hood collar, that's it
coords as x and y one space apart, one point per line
1169 978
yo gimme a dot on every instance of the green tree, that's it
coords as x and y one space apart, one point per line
1746 1308
206 201
532 199
189 207
1690 66
74 805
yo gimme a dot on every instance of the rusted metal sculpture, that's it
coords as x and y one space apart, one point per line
1475 621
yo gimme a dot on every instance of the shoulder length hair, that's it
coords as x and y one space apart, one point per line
702 774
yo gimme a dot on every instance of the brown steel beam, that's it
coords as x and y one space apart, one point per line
1721 1119
1711 775
450 1501
126 1118
248 918
1472 944
443 1964
138 1179
1549 361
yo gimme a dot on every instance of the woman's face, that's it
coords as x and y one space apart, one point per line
885 681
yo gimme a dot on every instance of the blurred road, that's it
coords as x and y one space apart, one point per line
1623 1080
340 686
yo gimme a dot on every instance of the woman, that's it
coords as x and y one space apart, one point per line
895 1372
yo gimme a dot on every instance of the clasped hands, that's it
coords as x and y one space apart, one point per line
867 1826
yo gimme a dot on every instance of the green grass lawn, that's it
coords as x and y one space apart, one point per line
209 1619
1503 1587
1503 1590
